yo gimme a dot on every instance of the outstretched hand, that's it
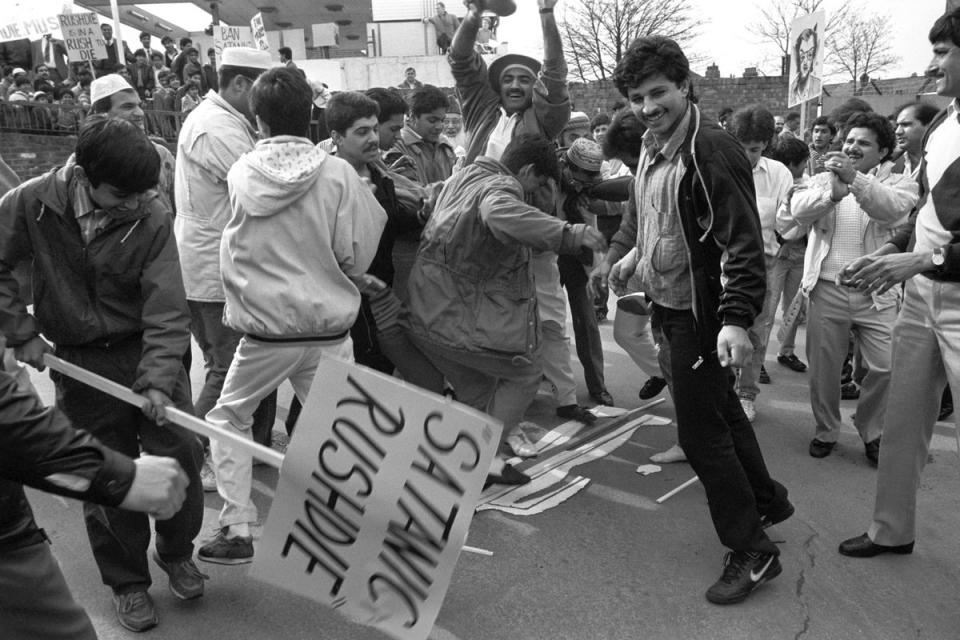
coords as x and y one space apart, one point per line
876 274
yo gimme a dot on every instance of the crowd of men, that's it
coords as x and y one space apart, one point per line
454 264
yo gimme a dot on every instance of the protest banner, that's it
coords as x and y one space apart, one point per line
31 28
259 32
82 37
806 58
378 488
226 37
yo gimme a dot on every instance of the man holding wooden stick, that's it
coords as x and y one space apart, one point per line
108 293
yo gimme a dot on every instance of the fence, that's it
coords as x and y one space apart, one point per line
53 119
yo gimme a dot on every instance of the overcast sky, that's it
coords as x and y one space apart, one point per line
724 38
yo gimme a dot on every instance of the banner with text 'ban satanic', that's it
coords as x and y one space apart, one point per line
378 487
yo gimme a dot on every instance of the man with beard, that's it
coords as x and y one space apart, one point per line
852 209
515 96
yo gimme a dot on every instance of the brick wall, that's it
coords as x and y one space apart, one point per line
31 155
714 93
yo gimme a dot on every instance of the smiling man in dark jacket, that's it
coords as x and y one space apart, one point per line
108 293
699 258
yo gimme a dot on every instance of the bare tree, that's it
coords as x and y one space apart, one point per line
861 45
596 33
776 17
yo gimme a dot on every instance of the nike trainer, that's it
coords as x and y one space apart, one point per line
743 572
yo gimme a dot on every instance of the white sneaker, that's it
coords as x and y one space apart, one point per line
749 409
521 445
673 454
207 476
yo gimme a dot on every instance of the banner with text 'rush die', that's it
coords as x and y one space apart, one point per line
376 494
82 37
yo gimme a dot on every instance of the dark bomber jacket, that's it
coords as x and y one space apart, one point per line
718 211
38 442
125 284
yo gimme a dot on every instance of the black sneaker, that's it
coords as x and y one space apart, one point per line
849 391
792 362
186 581
821 449
946 406
509 475
576 412
743 571
652 387
603 397
224 550
135 610
764 377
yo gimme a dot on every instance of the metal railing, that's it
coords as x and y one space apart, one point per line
52 119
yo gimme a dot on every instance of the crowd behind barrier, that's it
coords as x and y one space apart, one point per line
41 118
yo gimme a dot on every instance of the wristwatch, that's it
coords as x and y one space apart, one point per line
938 258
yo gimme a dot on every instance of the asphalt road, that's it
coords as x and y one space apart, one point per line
612 564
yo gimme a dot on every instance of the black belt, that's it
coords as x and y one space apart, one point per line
334 338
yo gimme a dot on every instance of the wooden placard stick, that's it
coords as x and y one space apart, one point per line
673 492
174 415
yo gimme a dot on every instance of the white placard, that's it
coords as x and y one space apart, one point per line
376 494
82 37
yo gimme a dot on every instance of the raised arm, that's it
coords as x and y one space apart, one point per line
466 36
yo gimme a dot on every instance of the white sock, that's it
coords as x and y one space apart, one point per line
241 530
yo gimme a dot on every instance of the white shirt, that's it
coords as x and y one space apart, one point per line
942 150
501 135
772 181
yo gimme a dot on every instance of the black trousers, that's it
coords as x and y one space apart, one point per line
586 332
120 538
718 439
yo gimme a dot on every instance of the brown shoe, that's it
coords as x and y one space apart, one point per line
135 610
820 449
186 581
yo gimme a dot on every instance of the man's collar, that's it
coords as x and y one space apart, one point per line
83 204
672 145
504 114
217 99
761 165
953 109
410 136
